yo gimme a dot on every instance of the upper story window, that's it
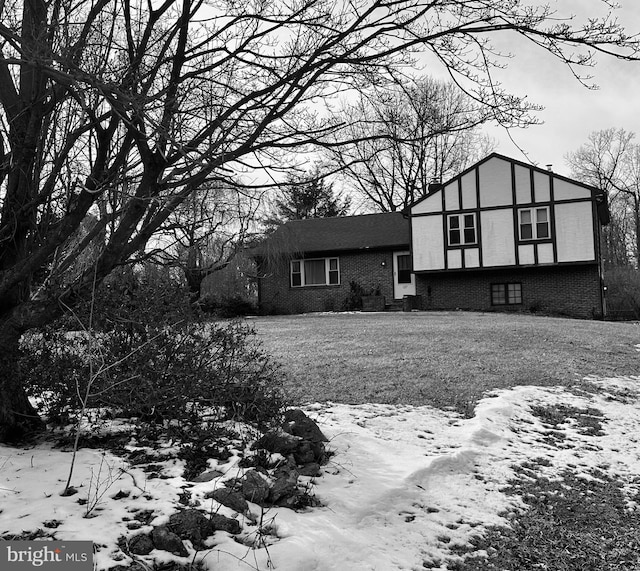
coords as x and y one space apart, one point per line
534 223
320 271
462 229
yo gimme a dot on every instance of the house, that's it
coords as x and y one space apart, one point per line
502 235
311 265
507 235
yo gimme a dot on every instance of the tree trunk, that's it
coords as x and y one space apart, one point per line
194 277
18 418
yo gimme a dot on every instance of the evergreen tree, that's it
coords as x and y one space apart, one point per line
303 197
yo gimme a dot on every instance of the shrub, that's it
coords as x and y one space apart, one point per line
130 300
178 378
623 293
227 306
353 301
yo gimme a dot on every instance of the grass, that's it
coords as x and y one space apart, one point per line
569 524
450 360
445 359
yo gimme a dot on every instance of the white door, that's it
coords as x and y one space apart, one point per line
404 281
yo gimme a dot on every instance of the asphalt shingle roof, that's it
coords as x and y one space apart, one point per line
364 232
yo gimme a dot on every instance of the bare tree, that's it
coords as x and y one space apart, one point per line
610 160
121 110
206 231
408 138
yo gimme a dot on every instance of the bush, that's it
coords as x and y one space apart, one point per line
228 306
623 293
131 300
353 301
178 378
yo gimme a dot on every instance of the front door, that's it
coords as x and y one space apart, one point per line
404 281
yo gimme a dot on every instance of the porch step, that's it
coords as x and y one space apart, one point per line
395 305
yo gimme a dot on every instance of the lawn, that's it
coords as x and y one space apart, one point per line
452 359
446 359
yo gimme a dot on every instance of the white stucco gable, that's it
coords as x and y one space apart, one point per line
501 213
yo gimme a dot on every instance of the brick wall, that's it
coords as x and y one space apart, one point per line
566 290
369 269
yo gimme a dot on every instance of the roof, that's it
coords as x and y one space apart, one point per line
343 233
597 193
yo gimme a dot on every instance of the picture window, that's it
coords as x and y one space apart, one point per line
315 272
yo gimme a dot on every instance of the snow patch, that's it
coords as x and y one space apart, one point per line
404 485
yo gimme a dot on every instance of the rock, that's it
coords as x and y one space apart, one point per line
279 441
166 540
192 525
285 484
141 544
304 453
312 469
223 523
299 424
229 498
207 476
255 487
319 452
310 452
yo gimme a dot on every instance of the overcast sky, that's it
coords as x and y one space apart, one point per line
571 111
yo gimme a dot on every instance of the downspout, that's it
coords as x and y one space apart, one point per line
602 219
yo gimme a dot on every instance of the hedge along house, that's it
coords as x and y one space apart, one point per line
310 265
505 235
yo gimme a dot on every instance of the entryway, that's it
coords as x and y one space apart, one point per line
404 281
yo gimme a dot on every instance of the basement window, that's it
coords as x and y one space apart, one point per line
315 272
506 294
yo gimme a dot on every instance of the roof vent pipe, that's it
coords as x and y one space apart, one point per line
550 168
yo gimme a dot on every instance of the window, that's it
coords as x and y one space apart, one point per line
296 273
534 223
321 271
506 294
404 269
334 271
462 229
315 272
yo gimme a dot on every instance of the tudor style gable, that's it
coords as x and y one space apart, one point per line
502 213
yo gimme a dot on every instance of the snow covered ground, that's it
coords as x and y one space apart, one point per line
404 486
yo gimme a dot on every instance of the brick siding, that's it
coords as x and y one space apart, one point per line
566 290
369 269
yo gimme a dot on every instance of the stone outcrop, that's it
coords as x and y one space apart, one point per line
298 440
141 544
255 486
192 525
299 437
230 499
299 424
163 538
